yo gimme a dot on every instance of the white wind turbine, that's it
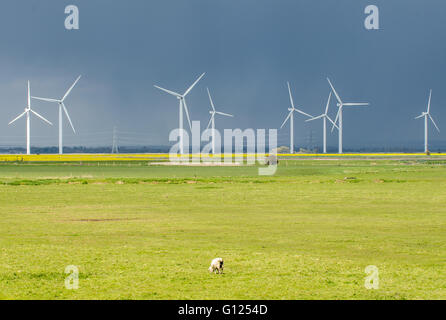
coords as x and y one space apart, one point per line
61 106
324 117
211 123
340 105
291 117
27 112
182 98
426 115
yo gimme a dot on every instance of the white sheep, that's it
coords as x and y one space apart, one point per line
216 265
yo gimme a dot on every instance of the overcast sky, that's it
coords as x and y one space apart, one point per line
248 49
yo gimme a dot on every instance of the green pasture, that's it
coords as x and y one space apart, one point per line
139 231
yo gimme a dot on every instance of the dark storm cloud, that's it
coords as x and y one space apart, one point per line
248 49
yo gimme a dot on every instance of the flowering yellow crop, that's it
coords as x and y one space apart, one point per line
165 156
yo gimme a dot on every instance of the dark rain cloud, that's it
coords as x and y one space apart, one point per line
248 49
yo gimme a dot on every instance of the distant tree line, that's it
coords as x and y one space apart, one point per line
165 149
81 149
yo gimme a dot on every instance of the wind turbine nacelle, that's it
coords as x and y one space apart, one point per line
338 104
211 112
290 109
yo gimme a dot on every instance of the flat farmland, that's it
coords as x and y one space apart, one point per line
140 231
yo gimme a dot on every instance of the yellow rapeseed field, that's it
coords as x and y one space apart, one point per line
165 156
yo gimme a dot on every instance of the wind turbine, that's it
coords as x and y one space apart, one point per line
61 106
211 123
182 98
426 115
26 112
340 105
324 117
290 116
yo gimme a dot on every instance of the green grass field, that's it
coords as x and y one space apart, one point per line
149 232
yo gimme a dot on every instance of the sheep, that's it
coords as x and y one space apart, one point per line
216 265
271 160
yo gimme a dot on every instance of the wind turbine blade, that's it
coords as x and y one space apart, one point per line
334 123
210 121
68 116
334 91
336 120
291 96
224 114
38 115
315 118
306 114
46 99
210 99
432 119
193 84
18 117
71 88
328 103
286 119
421 115
169 92
29 95
351 104
187 113
429 103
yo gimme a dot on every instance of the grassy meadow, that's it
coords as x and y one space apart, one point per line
139 231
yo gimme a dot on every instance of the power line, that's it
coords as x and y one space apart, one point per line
115 142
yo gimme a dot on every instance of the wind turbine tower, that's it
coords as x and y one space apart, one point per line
211 123
427 115
62 106
341 105
27 112
291 118
325 117
182 104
